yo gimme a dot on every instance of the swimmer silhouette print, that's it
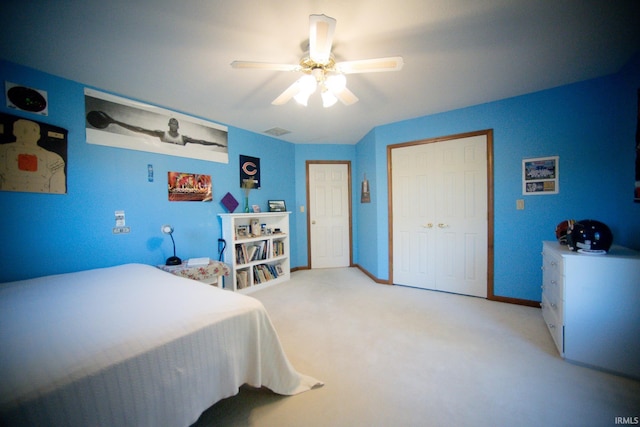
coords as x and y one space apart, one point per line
119 122
33 156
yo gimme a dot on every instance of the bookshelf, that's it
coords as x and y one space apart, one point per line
257 249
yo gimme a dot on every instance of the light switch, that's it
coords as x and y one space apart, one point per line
520 204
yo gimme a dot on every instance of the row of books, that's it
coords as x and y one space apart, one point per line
248 252
265 272
261 273
245 253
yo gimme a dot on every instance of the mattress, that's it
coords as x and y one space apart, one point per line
131 345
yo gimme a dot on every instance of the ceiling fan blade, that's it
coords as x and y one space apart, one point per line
393 63
264 66
345 96
321 29
288 93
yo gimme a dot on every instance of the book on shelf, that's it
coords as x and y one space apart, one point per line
241 279
253 252
242 257
278 248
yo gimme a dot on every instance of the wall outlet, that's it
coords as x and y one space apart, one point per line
520 204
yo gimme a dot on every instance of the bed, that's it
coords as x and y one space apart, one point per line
131 345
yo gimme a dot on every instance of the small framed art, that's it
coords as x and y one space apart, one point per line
277 206
540 176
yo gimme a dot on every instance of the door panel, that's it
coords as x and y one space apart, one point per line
329 215
439 202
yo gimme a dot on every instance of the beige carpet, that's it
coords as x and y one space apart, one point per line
397 356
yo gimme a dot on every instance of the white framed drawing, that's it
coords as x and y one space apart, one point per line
122 123
540 175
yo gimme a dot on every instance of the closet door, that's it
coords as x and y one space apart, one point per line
440 211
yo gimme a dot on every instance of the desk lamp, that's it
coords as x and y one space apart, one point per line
172 260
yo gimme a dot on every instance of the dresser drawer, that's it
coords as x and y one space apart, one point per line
552 279
554 324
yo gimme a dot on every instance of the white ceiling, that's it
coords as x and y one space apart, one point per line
457 53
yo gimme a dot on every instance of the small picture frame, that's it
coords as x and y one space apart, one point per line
540 176
279 270
242 231
277 206
255 208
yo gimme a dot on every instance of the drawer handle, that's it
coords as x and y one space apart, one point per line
553 282
553 263
554 306
551 326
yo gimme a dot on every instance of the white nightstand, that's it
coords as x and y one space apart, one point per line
208 274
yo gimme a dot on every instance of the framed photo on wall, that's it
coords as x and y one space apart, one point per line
540 176
189 187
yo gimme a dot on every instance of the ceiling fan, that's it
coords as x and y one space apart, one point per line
320 68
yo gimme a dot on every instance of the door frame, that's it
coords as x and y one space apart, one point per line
490 212
350 202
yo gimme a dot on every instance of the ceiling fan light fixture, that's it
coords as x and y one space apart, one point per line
302 98
336 82
328 98
308 86
308 83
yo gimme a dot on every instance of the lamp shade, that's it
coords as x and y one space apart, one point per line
328 99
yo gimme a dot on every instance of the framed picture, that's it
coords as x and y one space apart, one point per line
242 231
119 122
277 206
189 187
249 172
279 269
255 208
540 176
33 156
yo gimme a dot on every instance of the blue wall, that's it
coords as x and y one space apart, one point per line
590 125
47 234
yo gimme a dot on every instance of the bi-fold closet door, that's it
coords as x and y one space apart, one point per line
440 215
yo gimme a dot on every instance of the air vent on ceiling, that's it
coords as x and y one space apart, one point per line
277 131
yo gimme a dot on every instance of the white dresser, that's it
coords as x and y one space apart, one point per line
591 305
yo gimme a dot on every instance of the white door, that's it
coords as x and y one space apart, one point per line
440 211
329 215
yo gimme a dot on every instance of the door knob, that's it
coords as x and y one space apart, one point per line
313 222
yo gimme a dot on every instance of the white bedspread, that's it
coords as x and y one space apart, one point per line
131 345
